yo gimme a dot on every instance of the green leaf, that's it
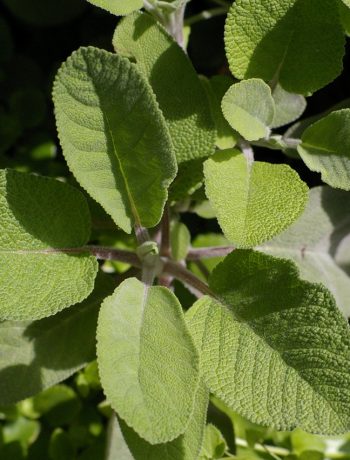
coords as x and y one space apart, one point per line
111 128
179 91
289 106
214 445
117 448
273 347
43 223
253 202
325 148
180 239
344 12
188 180
285 40
185 447
318 243
148 364
216 88
36 355
249 108
118 7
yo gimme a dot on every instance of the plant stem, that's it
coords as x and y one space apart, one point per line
181 273
103 253
247 151
165 248
206 14
209 252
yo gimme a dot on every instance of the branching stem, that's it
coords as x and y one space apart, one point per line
208 253
206 14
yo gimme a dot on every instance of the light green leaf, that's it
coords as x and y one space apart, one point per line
111 128
116 448
289 106
319 244
179 91
214 445
274 348
325 148
148 364
344 12
185 447
118 7
180 239
204 210
43 223
285 40
216 88
249 108
36 355
253 202
346 2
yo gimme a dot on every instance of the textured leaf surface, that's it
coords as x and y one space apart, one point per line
36 355
118 7
253 202
147 361
273 347
111 128
288 107
287 40
325 148
178 89
42 222
216 87
180 239
319 243
185 447
249 108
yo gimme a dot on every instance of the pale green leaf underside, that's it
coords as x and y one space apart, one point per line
254 202
147 361
325 148
118 7
249 108
111 129
287 40
36 355
185 447
288 106
43 222
274 348
178 89
180 239
319 243
346 2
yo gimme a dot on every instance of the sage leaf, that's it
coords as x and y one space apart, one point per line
253 202
318 242
111 128
118 7
43 225
281 345
38 354
185 447
285 41
288 106
249 108
179 91
325 148
148 364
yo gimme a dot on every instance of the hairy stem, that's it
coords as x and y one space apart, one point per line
206 14
209 252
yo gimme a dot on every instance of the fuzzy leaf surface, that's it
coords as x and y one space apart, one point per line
288 106
43 222
111 128
38 354
185 447
179 91
274 348
216 87
253 202
285 40
148 364
118 7
249 108
318 242
325 148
